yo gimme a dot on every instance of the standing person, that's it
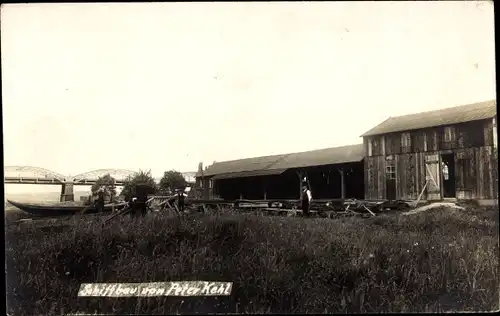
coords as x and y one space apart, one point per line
142 192
135 212
100 200
181 196
306 200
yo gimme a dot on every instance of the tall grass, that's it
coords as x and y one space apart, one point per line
442 260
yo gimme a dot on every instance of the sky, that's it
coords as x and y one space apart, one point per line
160 86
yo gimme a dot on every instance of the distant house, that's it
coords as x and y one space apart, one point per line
453 152
190 177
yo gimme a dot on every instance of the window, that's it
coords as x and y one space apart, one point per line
382 145
473 134
448 134
405 142
448 140
424 138
388 146
375 147
390 170
431 139
392 144
211 184
461 138
416 144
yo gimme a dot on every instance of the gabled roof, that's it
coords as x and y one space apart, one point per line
277 164
448 116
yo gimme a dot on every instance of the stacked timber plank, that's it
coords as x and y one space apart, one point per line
319 208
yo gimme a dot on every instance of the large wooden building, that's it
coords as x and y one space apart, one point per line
451 152
331 173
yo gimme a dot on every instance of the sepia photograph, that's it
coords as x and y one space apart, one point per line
171 158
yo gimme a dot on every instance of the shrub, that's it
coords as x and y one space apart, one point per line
143 180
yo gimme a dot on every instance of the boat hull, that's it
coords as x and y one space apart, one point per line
61 210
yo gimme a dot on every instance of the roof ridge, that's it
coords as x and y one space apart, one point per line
439 117
241 159
325 148
449 108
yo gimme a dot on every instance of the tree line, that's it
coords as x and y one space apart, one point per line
170 182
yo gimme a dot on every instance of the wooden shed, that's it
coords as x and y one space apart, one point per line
331 173
444 154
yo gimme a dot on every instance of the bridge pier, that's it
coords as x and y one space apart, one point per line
67 193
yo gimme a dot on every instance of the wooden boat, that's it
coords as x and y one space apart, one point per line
62 210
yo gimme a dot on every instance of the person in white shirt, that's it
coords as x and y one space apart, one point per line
306 200
181 197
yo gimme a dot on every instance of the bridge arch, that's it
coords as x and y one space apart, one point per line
118 174
30 171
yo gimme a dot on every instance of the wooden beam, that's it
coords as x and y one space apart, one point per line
264 187
299 174
342 183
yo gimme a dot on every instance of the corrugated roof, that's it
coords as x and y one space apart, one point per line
248 167
448 116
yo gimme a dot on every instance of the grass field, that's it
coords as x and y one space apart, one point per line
440 260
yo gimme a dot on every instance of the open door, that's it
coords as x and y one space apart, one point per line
448 174
390 178
433 177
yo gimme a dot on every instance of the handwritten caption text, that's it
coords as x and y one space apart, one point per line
185 288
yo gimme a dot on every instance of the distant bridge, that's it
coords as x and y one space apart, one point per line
36 175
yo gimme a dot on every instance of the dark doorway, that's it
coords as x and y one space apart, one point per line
448 175
355 180
390 179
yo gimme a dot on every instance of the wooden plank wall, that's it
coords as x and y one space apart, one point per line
476 168
407 175
476 173
466 175
375 177
207 192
